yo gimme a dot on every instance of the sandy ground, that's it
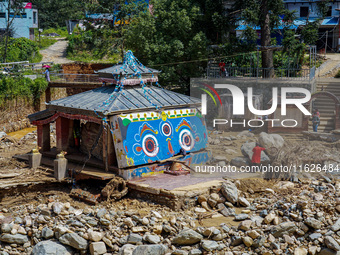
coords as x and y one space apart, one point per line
56 53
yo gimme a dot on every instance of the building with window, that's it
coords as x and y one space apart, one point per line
23 21
329 26
307 11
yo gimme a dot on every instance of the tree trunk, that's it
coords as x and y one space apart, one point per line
267 53
7 32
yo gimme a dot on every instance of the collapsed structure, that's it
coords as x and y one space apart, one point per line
131 127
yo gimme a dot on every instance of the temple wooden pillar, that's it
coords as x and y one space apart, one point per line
64 133
48 95
44 137
109 155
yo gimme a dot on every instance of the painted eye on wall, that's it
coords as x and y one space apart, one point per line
186 140
150 145
166 129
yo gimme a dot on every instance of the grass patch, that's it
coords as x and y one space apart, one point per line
62 31
45 42
87 56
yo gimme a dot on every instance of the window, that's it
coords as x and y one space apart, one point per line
304 10
329 12
19 15
34 17
2 14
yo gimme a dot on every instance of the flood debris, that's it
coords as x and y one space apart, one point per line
115 189
84 195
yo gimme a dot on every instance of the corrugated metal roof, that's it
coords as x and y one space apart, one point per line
330 21
104 100
243 26
127 70
41 115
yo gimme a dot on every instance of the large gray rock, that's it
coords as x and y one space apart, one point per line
327 251
101 212
284 228
247 151
51 248
240 161
315 236
336 226
241 216
331 243
97 248
17 238
187 237
134 238
209 245
74 240
229 191
269 141
47 233
153 239
153 249
314 223
226 212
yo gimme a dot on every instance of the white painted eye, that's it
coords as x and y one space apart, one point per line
166 129
186 140
150 145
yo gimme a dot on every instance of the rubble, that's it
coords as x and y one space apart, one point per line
249 216
272 223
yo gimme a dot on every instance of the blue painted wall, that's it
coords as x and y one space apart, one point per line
22 23
147 137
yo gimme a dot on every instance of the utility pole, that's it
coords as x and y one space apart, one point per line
326 42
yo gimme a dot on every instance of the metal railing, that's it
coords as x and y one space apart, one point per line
251 72
24 65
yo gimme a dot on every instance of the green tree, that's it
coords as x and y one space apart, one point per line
214 20
105 38
56 13
310 30
168 39
266 15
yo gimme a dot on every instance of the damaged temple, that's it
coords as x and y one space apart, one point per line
130 126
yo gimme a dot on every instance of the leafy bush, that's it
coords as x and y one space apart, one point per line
21 49
92 45
62 31
19 87
337 74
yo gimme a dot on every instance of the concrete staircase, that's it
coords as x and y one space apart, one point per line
326 105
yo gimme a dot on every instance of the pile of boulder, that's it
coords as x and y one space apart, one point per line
271 142
292 218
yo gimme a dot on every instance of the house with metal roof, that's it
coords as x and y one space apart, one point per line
128 123
307 12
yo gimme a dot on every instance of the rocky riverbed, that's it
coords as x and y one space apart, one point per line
289 218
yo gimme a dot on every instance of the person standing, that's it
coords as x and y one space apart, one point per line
47 74
256 158
222 68
316 120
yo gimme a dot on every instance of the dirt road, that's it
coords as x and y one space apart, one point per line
56 53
